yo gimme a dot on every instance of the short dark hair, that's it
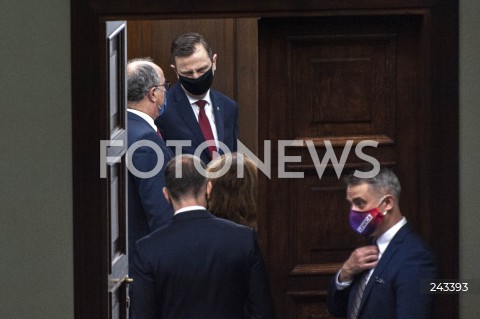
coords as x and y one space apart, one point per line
140 78
385 182
191 183
184 45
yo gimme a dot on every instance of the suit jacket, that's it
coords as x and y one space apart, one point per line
178 121
395 289
200 267
147 207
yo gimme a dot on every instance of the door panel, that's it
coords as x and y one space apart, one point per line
116 199
332 81
352 91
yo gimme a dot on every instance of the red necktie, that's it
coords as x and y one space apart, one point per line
206 128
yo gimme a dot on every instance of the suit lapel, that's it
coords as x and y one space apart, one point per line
376 277
219 114
184 109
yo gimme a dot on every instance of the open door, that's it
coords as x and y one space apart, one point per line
101 261
116 171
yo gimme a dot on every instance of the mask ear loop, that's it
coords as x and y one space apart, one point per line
384 213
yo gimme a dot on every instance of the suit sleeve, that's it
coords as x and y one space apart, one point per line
337 300
259 302
412 301
150 187
143 296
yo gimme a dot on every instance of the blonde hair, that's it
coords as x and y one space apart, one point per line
233 197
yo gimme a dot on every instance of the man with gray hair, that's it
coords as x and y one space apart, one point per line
383 280
147 208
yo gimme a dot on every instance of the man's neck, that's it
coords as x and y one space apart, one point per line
188 203
189 208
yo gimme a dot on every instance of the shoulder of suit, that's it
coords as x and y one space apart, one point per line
140 131
409 237
234 226
214 94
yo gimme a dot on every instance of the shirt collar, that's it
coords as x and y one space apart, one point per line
205 98
386 238
144 116
189 208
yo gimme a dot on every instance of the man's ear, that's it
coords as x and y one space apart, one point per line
209 189
165 194
214 62
389 203
174 69
151 95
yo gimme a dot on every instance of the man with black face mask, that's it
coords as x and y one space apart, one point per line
384 280
201 117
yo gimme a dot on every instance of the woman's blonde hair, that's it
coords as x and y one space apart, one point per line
233 196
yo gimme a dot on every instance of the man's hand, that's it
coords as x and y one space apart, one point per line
361 259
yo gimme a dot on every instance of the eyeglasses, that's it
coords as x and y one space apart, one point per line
166 86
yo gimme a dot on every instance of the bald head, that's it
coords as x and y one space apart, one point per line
134 63
143 77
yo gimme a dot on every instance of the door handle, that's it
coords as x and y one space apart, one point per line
115 282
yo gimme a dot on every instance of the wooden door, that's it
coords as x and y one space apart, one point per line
335 82
101 263
116 177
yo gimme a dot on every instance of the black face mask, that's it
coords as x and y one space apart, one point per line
199 85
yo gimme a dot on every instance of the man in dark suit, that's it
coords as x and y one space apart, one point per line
195 112
198 266
147 208
383 280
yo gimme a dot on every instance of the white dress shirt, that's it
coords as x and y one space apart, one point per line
189 208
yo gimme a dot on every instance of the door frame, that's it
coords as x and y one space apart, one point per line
89 123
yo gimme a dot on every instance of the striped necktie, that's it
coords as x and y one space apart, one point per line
360 289
358 294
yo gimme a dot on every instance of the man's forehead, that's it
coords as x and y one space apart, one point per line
193 63
358 191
